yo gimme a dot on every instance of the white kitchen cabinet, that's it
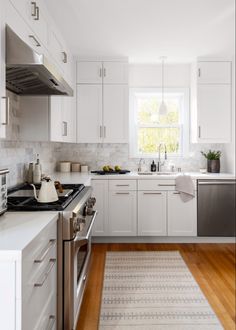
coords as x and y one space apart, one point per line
89 113
182 217
62 119
115 113
29 288
100 192
152 215
214 72
102 117
3 97
122 213
102 102
211 111
98 72
214 113
115 73
36 17
89 72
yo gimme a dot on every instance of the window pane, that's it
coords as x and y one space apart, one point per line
150 138
148 109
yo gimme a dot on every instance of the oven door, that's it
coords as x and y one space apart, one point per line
76 264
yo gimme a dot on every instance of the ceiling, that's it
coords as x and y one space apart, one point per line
144 30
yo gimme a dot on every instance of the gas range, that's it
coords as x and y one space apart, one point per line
21 198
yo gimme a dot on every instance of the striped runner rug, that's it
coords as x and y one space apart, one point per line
152 290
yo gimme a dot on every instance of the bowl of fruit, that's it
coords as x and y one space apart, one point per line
107 169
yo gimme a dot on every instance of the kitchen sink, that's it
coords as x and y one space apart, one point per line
157 173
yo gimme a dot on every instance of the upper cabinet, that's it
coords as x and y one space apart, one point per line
42 118
211 115
102 102
105 72
214 72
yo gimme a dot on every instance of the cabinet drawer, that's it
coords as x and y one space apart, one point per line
156 184
47 319
118 185
35 302
36 257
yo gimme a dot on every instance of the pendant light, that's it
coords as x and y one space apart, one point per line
163 107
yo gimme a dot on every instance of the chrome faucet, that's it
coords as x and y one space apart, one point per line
159 163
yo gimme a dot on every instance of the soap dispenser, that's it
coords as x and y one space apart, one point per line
153 167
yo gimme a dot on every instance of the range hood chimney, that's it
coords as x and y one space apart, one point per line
30 73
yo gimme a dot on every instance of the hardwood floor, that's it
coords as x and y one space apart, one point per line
212 265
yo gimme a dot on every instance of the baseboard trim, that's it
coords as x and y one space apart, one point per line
151 239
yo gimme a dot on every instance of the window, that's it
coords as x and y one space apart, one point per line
148 129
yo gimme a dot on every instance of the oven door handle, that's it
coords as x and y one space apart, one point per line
81 240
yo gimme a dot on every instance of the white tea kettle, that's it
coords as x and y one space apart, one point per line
47 192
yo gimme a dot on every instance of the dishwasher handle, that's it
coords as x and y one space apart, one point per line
216 183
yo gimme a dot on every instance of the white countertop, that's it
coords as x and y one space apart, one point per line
18 229
85 178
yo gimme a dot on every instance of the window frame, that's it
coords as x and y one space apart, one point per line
184 122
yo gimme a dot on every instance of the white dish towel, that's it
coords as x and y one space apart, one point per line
184 184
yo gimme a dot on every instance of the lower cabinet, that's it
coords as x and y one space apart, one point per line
28 283
152 217
182 217
122 213
124 210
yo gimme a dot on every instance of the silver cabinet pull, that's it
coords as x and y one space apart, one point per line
64 57
152 193
7 107
34 10
100 72
104 72
37 14
64 128
104 131
122 185
100 131
45 275
176 193
166 185
199 131
45 251
122 193
199 72
52 319
35 40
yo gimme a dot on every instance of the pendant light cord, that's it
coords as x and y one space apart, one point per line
162 80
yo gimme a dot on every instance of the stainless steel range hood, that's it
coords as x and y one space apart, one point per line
30 73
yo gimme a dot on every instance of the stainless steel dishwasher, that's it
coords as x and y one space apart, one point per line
216 208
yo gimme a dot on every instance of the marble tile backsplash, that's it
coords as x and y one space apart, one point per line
16 156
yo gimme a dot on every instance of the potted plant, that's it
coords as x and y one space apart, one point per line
213 160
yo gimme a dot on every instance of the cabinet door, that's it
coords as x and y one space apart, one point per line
69 118
182 217
89 113
122 213
214 72
115 73
115 112
152 213
89 72
100 192
214 113
3 99
57 129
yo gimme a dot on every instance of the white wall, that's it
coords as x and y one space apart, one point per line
146 75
